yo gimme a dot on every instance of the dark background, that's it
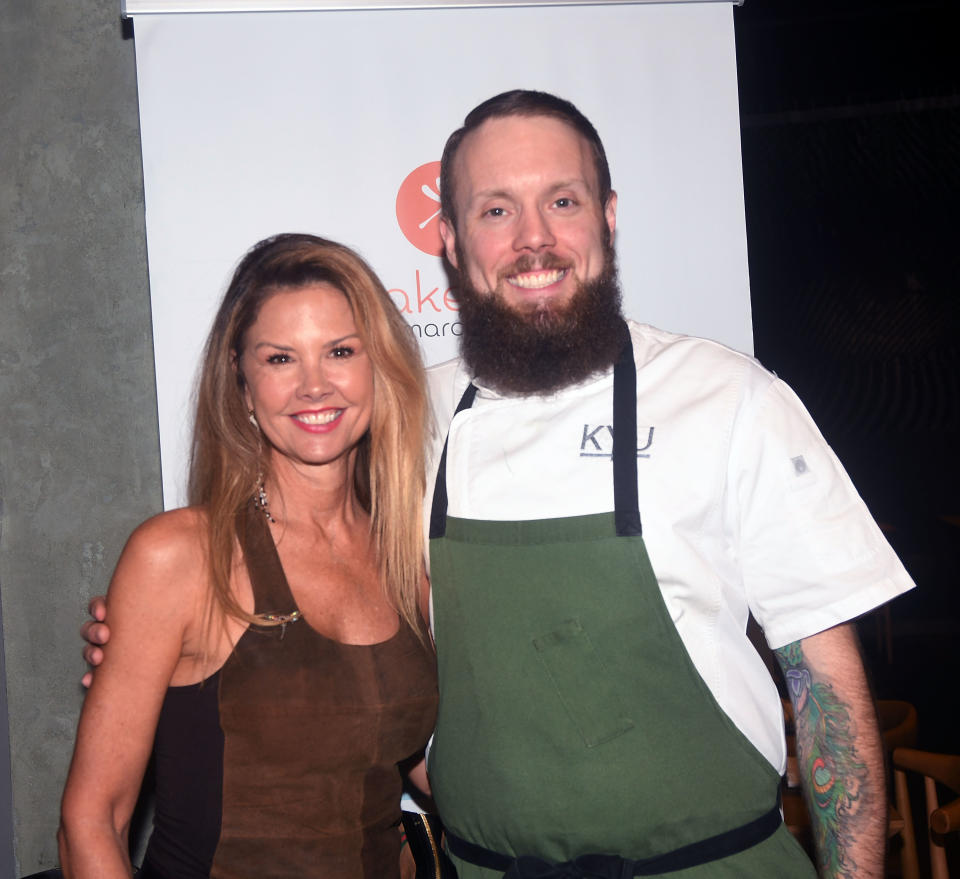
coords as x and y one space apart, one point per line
850 115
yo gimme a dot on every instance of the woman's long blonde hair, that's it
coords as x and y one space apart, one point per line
229 457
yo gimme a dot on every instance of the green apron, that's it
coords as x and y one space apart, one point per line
572 720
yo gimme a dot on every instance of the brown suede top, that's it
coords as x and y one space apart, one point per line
313 730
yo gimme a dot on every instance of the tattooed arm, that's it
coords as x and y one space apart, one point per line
839 752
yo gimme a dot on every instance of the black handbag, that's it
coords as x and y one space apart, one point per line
425 838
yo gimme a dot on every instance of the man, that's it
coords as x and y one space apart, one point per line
600 700
599 694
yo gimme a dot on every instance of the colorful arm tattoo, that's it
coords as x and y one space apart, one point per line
834 778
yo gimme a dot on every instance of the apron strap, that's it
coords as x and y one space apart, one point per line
438 512
625 501
704 851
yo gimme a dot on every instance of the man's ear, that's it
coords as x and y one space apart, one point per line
448 236
610 213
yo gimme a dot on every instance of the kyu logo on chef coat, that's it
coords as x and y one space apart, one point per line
597 441
418 208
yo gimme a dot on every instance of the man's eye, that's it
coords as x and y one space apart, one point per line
495 212
565 202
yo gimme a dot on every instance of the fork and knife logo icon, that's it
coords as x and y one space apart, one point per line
429 193
418 208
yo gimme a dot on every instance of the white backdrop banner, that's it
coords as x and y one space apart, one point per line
333 122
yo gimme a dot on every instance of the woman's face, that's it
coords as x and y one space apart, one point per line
307 375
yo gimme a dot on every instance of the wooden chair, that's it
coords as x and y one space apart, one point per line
898 724
941 820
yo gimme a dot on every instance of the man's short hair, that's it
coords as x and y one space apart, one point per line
520 102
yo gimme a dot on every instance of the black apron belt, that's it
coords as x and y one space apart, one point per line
713 848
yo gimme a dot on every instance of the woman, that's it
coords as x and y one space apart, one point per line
270 635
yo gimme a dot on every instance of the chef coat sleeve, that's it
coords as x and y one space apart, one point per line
810 553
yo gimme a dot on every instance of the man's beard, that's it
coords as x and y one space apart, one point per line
542 348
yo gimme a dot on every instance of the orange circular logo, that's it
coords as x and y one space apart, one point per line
418 208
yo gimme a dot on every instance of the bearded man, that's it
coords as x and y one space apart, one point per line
603 712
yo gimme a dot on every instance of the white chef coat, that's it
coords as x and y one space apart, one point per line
744 506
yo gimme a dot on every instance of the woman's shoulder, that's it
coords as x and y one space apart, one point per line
170 543
160 587
176 524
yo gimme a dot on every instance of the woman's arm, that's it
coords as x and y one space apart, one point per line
424 601
153 600
417 772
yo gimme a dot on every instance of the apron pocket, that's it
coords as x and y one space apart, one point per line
583 683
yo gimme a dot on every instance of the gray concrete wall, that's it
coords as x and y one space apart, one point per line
79 451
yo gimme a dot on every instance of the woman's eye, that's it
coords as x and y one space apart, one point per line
342 351
278 358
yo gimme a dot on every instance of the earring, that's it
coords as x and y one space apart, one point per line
260 499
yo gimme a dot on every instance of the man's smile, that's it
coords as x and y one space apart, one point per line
537 280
